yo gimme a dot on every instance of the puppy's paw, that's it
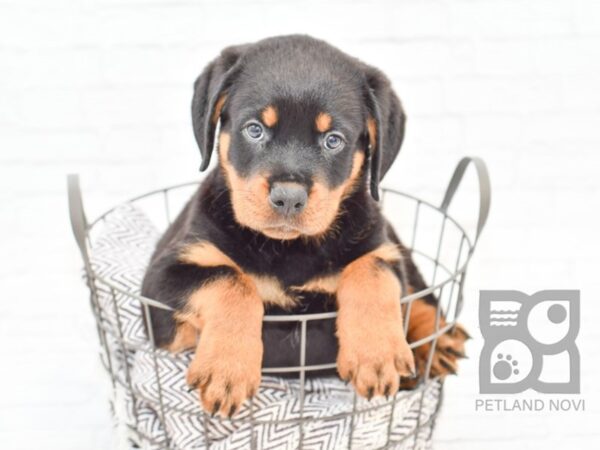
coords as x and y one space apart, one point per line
450 346
449 349
225 373
375 361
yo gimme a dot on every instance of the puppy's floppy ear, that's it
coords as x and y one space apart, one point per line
385 125
210 94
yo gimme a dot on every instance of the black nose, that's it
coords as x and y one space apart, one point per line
288 199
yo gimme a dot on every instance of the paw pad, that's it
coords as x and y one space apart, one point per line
505 367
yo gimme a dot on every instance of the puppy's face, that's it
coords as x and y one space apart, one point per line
290 159
295 135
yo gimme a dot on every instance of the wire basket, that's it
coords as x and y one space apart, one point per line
439 245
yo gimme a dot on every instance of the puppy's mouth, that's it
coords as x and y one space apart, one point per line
282 231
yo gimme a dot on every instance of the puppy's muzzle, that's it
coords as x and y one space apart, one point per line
288 199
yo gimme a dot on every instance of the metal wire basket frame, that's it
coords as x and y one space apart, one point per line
453 281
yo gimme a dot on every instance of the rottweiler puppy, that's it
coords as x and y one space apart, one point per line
288 222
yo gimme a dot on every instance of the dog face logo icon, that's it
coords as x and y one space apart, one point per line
529 342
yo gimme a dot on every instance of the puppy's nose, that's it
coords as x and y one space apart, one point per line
288 199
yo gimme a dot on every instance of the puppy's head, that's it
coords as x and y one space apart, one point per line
299 123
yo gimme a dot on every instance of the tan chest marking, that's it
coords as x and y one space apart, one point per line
206 254
327 284
270 290
272 293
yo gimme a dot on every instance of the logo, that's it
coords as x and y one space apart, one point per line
529 342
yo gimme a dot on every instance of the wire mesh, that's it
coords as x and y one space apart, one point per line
449 292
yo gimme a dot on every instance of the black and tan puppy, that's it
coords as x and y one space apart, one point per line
289 221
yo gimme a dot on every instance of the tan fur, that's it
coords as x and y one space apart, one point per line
269 289
323 204
272 293
269 116
373 350
323 122
372 128
249 197
387 252
205 254
327 284
186 337
218 108
449 346
227 362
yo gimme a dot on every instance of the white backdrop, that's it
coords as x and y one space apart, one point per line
103 87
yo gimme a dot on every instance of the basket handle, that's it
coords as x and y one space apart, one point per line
484 189
77 214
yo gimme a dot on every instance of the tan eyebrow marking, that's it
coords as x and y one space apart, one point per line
269 116
323 122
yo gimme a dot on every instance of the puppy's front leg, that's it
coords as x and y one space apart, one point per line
227 362
373 350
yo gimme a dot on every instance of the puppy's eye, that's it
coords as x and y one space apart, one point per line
333 141
254 131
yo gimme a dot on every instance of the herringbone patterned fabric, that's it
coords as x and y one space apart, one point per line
151 384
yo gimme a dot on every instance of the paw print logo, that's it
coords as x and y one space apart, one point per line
511 361
529 342
505 367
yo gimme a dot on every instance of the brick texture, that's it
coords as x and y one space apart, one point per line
103 88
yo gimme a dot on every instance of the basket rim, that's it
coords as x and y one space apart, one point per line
405 299
451 270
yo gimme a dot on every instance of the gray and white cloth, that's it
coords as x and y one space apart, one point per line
152 401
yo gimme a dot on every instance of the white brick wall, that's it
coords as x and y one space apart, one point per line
102 87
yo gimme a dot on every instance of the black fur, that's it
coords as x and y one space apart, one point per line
300 76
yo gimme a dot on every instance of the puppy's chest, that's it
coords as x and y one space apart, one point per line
289 282
275 293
